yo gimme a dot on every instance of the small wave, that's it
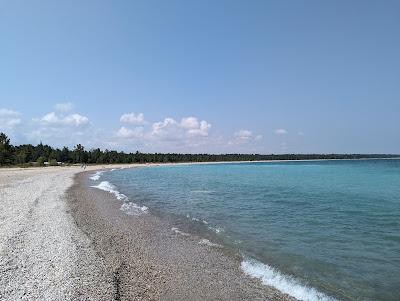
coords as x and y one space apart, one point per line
128 207
177 231
131 208
195 219
202 191
206 242
286 284
107 186
217 230
96 175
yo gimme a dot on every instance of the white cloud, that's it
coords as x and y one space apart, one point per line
64 107
9 119
194 127
300 133
245 138
168 128
54 119
188 127
76 120
59 129
124 132
131 118
190 123
243 134
188 134
49 118
281 132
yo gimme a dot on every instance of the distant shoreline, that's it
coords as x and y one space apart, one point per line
93 166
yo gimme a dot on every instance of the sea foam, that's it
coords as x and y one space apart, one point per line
96 175
286 284
206 242
128 207
177 231
133 209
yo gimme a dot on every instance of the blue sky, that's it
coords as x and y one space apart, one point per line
202 76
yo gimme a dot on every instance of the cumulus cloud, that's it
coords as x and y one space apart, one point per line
194 127
76 120
52 118
245 138
188 134
280 132
9 119
124 132
169 128
190 123
59 129
131 118
64 107
243 134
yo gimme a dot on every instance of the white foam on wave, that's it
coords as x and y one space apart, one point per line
217 230
177 231
192 218
128 207
206 242
202 191
286 284
133 209
196 219
96 175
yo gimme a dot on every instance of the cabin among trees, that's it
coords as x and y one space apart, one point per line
28 154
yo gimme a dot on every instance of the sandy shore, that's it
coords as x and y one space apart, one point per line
62 240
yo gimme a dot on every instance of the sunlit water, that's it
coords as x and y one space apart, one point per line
316 230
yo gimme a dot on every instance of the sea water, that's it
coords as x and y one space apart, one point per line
317 230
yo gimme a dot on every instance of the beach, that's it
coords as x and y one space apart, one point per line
60 239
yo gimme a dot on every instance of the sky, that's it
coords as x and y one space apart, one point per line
202 76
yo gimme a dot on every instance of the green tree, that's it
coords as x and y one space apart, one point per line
53 162
40 161
79 154
5 150
20 157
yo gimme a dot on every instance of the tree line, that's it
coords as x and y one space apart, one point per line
28 154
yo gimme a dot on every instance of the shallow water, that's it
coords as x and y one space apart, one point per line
316 230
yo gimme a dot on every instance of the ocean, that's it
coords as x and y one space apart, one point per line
317 230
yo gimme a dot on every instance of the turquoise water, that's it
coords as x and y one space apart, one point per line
316 230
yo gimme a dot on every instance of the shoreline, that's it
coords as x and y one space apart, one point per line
189 226
149 259
94 167
61 239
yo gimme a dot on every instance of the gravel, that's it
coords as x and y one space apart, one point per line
43 255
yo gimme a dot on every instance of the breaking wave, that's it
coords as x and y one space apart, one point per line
286 284
128 207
